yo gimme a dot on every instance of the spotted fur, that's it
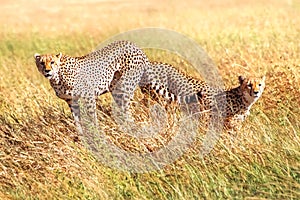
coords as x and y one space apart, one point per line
234 104
120 63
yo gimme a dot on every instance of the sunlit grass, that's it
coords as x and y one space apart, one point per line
39 158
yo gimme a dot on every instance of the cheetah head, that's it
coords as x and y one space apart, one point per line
252 88
47 64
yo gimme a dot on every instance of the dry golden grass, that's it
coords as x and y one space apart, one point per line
38 156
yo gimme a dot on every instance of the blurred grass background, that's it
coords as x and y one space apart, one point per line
39 158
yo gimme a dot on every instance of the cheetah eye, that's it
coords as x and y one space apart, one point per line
259 84
42 63
52 62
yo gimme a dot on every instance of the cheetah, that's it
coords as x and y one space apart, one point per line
120 63
234 103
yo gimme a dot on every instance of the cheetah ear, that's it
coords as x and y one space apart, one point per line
59 55
37 56
241 79
263 78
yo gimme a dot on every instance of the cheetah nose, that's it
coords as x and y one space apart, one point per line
256 92
47 70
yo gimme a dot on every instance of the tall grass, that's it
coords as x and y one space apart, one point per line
41 157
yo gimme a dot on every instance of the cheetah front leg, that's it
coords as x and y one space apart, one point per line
89 109
88 113
75 110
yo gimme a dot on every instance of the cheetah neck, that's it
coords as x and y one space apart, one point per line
238 98
54 80
246 100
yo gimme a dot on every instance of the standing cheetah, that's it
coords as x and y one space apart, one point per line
94 74
234 104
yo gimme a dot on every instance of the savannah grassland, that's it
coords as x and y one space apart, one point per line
39 155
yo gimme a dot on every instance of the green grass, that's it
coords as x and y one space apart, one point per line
40 160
